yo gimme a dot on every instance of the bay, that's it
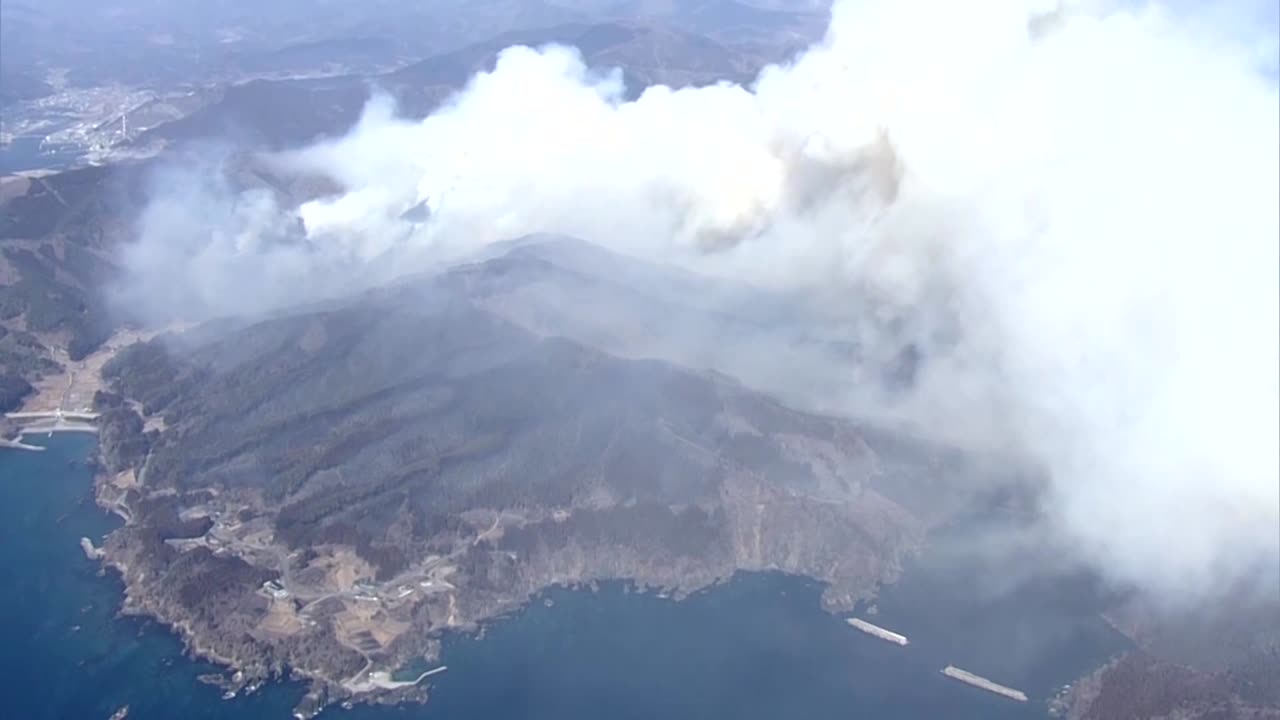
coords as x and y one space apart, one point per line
757 646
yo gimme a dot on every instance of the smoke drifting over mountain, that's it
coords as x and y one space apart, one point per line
1071 210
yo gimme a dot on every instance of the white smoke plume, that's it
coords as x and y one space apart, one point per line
1079 199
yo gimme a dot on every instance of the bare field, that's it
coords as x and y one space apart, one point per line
281 619
73 389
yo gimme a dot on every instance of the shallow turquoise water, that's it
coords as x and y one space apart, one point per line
756 647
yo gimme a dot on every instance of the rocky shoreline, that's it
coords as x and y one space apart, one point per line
250 662
489 564
169 543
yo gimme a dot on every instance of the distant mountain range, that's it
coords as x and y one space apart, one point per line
162 45
282 113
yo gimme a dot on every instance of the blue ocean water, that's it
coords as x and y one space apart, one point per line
755 647
26 153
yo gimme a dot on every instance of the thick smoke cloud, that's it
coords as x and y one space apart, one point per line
1071 208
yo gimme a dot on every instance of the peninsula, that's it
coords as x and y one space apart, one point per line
328 491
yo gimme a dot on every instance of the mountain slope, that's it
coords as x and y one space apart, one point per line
415 449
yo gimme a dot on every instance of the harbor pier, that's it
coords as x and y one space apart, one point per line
980 682
877 631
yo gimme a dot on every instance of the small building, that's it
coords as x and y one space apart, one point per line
274 589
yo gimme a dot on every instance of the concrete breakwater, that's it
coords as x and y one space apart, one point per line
950 671
22 424
877 631
90 550
978 681
381 679
19 445
57 427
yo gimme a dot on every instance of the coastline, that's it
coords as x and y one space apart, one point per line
471 662
63 401
121 492
257 655
677 583
23 431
